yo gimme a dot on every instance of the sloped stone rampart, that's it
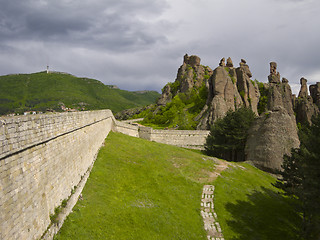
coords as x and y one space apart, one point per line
42 158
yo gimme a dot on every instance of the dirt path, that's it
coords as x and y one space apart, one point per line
211 224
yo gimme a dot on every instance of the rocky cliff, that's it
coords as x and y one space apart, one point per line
191 74
229 89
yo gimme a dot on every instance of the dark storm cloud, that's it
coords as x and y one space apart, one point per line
113 25
139 44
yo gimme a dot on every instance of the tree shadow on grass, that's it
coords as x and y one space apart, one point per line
266 215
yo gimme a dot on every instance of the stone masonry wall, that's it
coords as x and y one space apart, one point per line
127 129
42 157
194 139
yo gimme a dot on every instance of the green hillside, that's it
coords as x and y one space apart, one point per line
145 190
42 91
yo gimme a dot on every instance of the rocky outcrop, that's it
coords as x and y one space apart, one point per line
274 76
315 93
304 105
280 94
223 96
166 95
229 88
229 63
274 133
248 90
191 74
303 89
222 62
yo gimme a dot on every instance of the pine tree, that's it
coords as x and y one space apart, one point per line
300 178
228 136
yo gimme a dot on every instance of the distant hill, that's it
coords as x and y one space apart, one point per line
61 91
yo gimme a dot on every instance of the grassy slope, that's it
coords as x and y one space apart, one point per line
141 190
249 207
145 190
42 90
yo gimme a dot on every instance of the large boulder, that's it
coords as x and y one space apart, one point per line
272 135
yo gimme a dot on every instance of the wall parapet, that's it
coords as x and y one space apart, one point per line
22 132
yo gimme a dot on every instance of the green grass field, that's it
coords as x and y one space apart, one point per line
249 207
39 91
144 190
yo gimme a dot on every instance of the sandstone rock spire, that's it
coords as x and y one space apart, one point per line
274 76
304 89
305 107
229 62
229 89
222 62
274 133
315 93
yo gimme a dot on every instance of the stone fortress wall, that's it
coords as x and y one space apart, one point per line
43 157
193 139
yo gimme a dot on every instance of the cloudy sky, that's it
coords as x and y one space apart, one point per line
139 44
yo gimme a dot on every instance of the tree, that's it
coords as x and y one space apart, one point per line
300 178
228 136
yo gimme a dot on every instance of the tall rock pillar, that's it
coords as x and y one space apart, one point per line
274 133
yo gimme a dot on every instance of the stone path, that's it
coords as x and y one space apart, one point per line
208 214
211 224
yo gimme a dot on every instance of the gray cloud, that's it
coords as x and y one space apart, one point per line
140 44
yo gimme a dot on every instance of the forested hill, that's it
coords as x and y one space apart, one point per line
61 91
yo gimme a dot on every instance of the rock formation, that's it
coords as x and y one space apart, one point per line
304 89
229 88
166 95
223 96
304 105
190 74
315 93
229 63
274 133
274 76
248 90
222 62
